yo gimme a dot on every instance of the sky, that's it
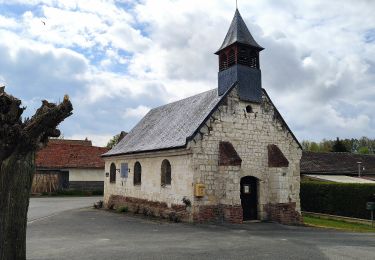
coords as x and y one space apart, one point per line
118 59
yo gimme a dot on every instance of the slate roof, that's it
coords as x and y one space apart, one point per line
173 125
336 163
238 32
64 154
169 126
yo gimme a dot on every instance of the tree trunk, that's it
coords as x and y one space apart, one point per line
16 176
19 140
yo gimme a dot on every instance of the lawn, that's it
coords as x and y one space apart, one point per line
336 224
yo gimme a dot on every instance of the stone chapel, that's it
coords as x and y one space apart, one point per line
225 155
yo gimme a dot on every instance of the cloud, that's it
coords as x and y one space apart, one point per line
137 112
6 22
117 59
97 140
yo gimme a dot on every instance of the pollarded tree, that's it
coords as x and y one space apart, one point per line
19 140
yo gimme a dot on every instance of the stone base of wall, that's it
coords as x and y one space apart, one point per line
218 213
284 213
202 214
157 209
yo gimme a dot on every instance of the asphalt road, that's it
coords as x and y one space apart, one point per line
42 207
98 234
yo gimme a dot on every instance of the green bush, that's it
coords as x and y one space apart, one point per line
73 193
97 192
123 209
342 199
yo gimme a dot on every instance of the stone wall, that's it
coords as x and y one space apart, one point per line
174 212
218 213
284 213
151 188
250 134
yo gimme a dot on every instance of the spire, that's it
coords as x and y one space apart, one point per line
238 32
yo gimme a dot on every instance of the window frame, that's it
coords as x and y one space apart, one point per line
137 174
112 174
165 171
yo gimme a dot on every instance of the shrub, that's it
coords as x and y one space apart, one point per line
174 217
72 192
97 192
186 201
98 204
342 199
122 209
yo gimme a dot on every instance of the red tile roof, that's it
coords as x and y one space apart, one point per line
62 154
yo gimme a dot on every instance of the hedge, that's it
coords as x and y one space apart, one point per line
342 199
74 193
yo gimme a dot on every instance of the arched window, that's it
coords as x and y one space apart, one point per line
112 173
231 58
249 109
165 173
223 62
137 174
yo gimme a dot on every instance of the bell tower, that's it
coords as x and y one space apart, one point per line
239 62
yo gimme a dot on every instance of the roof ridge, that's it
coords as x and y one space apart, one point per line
71 144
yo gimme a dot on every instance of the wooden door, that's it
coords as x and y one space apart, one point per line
249 197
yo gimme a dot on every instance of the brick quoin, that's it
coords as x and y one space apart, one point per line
284 213
219 213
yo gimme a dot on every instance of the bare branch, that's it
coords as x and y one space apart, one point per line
10 123
33 133
43 124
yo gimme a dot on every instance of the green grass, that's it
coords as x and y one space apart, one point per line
336 224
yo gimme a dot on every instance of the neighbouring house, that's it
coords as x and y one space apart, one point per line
338 167
223 155
69 164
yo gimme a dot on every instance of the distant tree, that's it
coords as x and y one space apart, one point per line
364 150
314 147
348 143
325 146
363 145
352 145
116 139
113 141
305 145
338 146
